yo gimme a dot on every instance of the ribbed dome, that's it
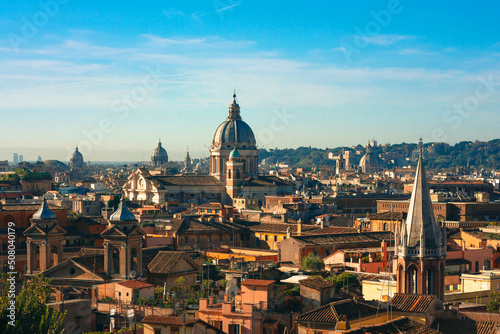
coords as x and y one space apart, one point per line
369 161
234 132
159 152
76 159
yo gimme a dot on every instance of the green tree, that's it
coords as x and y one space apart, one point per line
494 303
313 263
32 315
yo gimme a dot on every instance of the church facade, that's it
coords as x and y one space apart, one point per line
234 172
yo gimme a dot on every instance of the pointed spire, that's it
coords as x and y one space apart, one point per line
122 213
44 212
421 224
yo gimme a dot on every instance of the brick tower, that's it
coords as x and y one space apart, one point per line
421 247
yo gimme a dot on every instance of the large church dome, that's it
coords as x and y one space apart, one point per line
76 160
234 132
159 156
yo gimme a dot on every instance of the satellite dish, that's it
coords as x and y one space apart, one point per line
232 291
232 282
218 284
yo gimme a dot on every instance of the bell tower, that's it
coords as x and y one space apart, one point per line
44 240
234 173
421 248
123 244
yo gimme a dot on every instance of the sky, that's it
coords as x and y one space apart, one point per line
115 76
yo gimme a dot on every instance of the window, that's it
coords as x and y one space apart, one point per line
157 331
174 330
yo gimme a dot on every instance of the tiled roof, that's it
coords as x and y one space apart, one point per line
345 238
176 321
164 262
387 216
306 229
265 181
90 252
136 284
187 180
330 313
395 326
316 283
195 224
94 263
412 303
28 207
165 320
257 282
469 326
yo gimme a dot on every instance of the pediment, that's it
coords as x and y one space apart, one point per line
113 232
70 269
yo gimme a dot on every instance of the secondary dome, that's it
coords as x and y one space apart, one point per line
234 132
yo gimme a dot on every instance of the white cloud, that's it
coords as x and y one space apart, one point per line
385 39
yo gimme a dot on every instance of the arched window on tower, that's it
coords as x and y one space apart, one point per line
412 279
429 281
36 257
54 255
229 173
115 261
133 260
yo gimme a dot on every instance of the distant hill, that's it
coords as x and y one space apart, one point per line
477 154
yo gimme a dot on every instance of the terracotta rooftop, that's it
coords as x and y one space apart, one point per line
164 262
395 326
257 282
316 283
187 180
411 303
281 228
165 320
331 313
176 321
388 215
469 326
135 284
345 238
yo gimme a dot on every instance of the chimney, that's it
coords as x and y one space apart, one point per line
299 227
226 298
322 223
211 301
289 232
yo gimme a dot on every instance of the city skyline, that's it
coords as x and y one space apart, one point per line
122 76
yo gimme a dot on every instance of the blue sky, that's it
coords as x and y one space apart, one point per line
114 76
